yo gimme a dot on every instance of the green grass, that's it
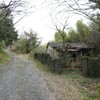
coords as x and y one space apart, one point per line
4 57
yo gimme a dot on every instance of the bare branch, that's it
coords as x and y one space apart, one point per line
84 8
14 7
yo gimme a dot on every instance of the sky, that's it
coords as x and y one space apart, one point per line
40 20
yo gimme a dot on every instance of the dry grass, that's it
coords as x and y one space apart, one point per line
72 85
64 87
60 84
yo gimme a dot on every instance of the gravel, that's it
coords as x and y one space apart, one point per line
21 80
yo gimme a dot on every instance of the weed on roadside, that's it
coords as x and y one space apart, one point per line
4 57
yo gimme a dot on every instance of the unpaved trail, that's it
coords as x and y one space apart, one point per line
21 80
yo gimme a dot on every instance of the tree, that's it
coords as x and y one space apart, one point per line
86 8
33 39
7 31
94 37
96 1
93 26
73 36
82 30
14 7
28 42
80 34
60 36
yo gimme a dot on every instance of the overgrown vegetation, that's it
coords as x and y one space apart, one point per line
89 87
89 34
4 57
8 34
27 42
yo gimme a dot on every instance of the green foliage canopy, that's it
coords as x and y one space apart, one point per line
60 36
28 42
82 30
7 31
79 35
73 36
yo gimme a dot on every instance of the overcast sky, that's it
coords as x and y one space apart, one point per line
40 20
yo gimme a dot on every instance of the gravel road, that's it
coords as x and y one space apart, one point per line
21 80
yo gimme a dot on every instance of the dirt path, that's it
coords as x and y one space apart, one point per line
21 80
